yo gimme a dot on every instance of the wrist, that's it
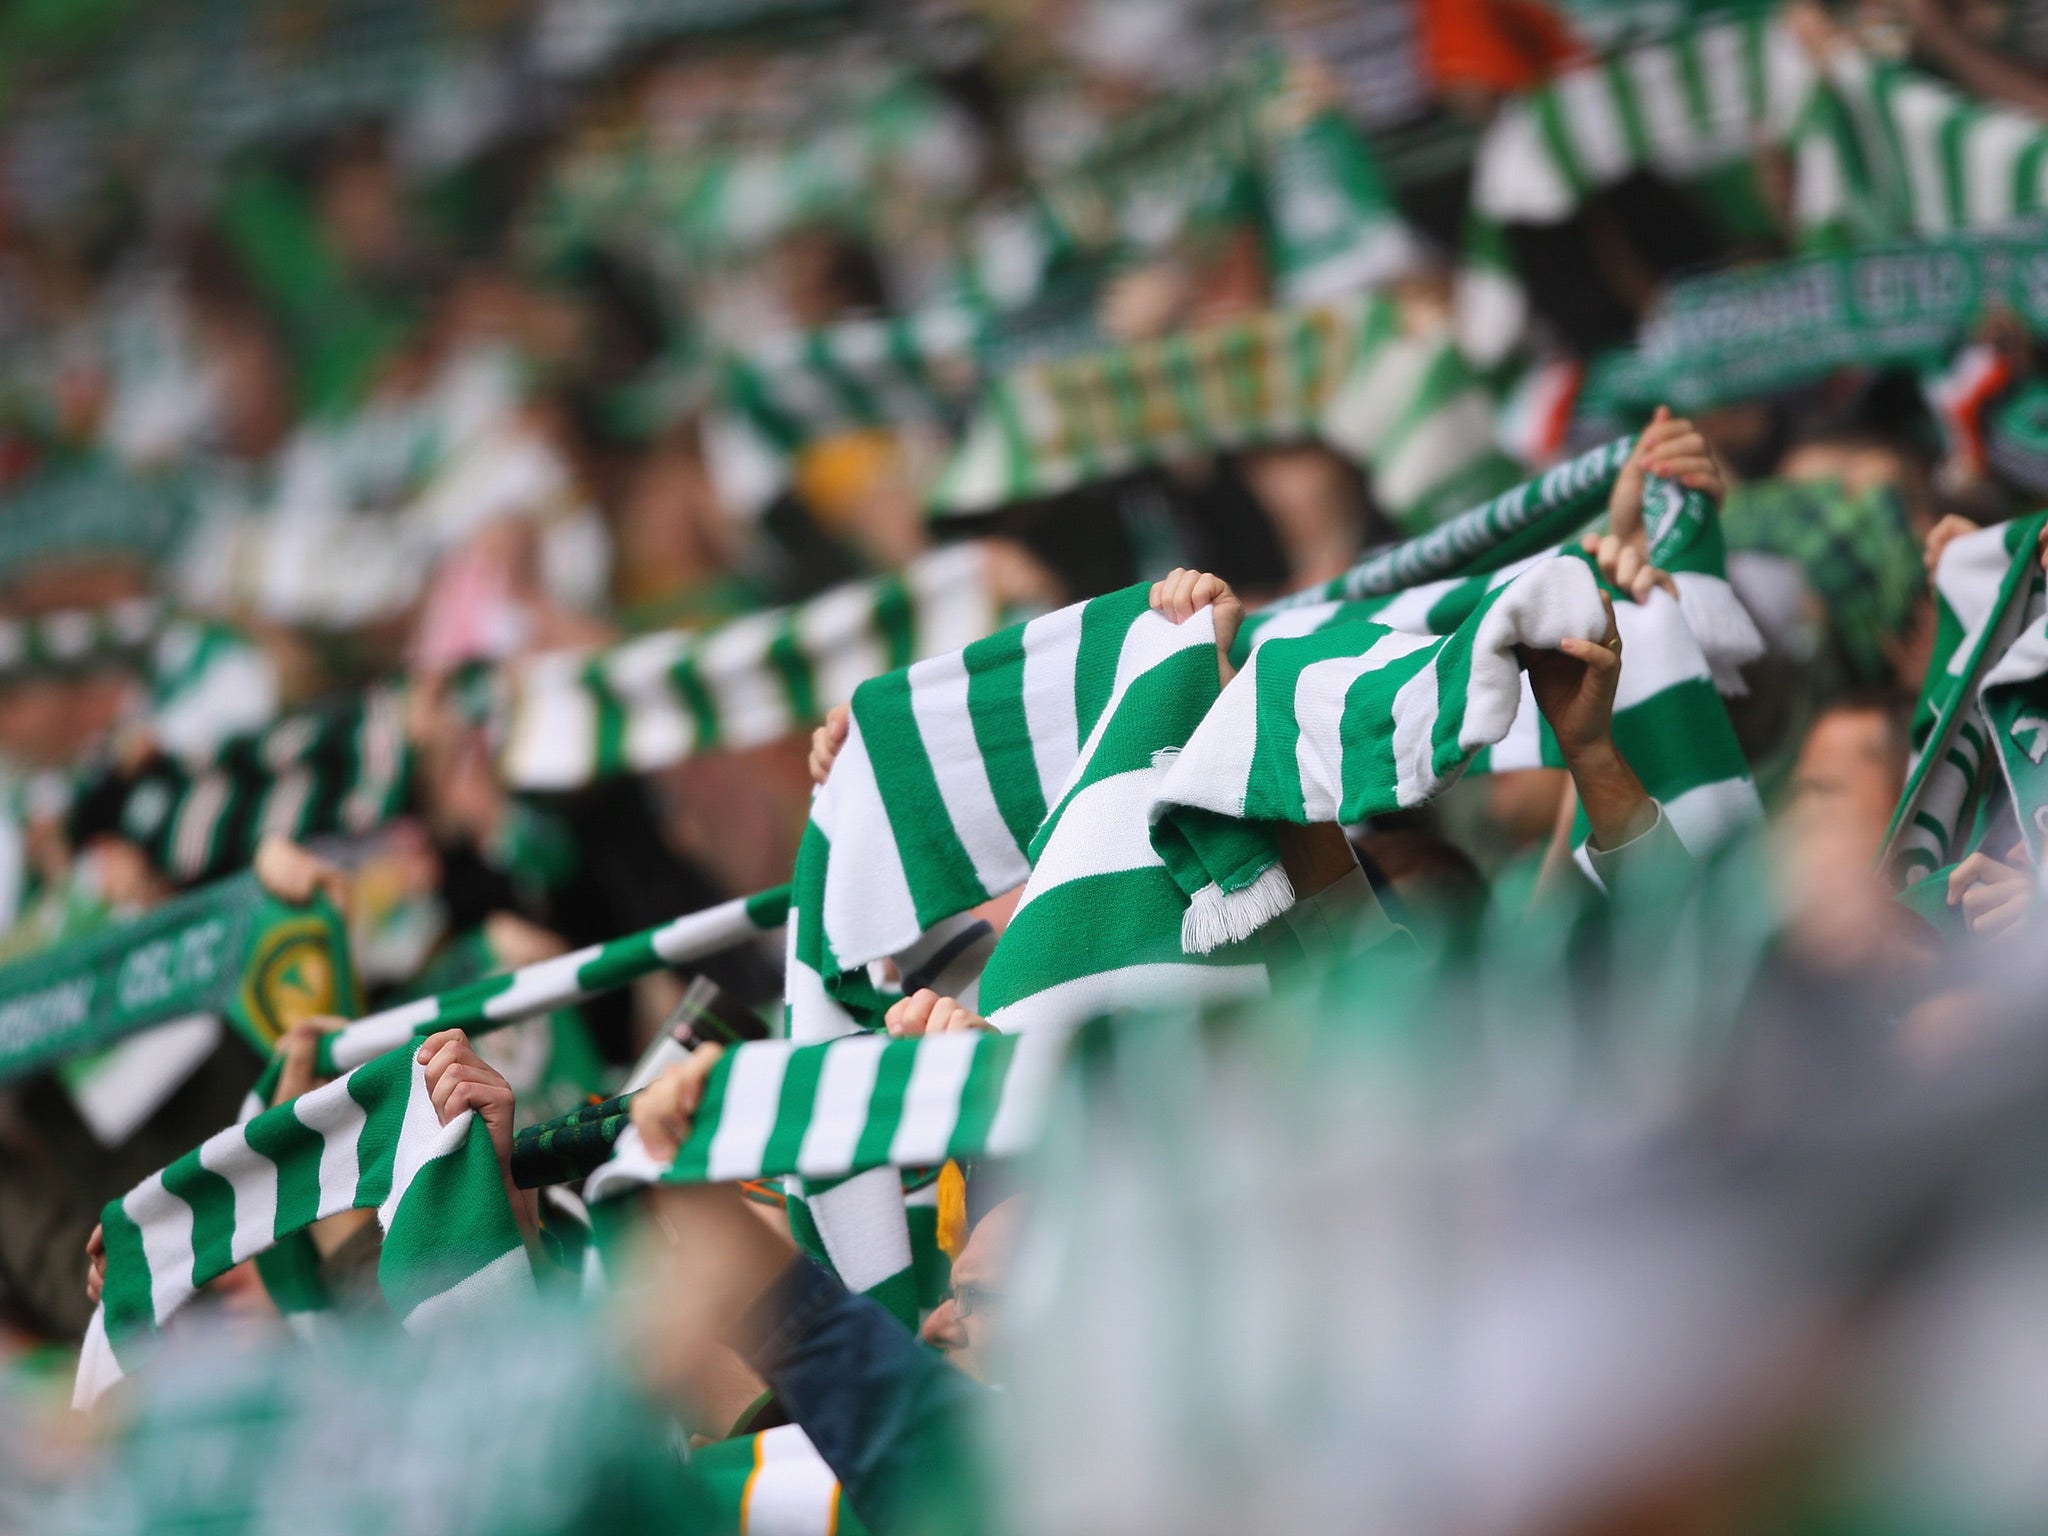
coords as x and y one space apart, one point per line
1598 755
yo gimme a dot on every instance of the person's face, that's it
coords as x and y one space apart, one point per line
1848 778
965 1324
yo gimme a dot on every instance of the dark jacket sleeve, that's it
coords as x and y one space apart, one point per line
891 1419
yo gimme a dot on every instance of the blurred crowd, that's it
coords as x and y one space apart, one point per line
457 459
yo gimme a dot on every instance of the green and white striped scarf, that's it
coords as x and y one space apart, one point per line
1678 107
956 775
1987 597
345 767
369 1141
1910 154
652 701
1243 144
1407 408
74 640
775 1109
1677 655
547 985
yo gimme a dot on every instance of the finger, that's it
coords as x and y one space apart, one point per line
1590 543
2002 918
1627 564
451 1055
917 1010
1595 656
436 1040
1609 556
1208 590
1182 599
1645 582
1973 871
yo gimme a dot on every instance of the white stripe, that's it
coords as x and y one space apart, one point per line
333 1114
1027 1090
836 633
373 1036
733 661
1448 440
1657 649
284 802
1415 712
658 729
421 1138
1151 640
931 1100
1320 690
506 1279
753 1090
868 910
550 742
1660 102
1991 155
938 703
1103 829
1725 83
1051 650
1073 1002
1919 108
862 1225
791 1492
1522 746
165 1223
951 600
1704 816
697 934
1366 407
253 1178
845 1085
543 985
1586 104
1292 623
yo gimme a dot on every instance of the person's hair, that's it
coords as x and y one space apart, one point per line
1893 706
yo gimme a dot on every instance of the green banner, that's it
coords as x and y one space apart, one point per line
230 949
1736 334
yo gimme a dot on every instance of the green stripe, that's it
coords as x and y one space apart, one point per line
2026 177
693 1157
885 1105
1104 623
1949 138
1130 917
936 865
212 1199
1002 730
379 1086
295 1148
1692 83
1557 139
792 668
1623 89
127 1294
770 908
687 684
1679 738
981 1094
793 1110
610 733
450 1224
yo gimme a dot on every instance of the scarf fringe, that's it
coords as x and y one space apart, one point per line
1216 917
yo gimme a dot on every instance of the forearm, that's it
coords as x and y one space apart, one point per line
1982 70
1617 806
